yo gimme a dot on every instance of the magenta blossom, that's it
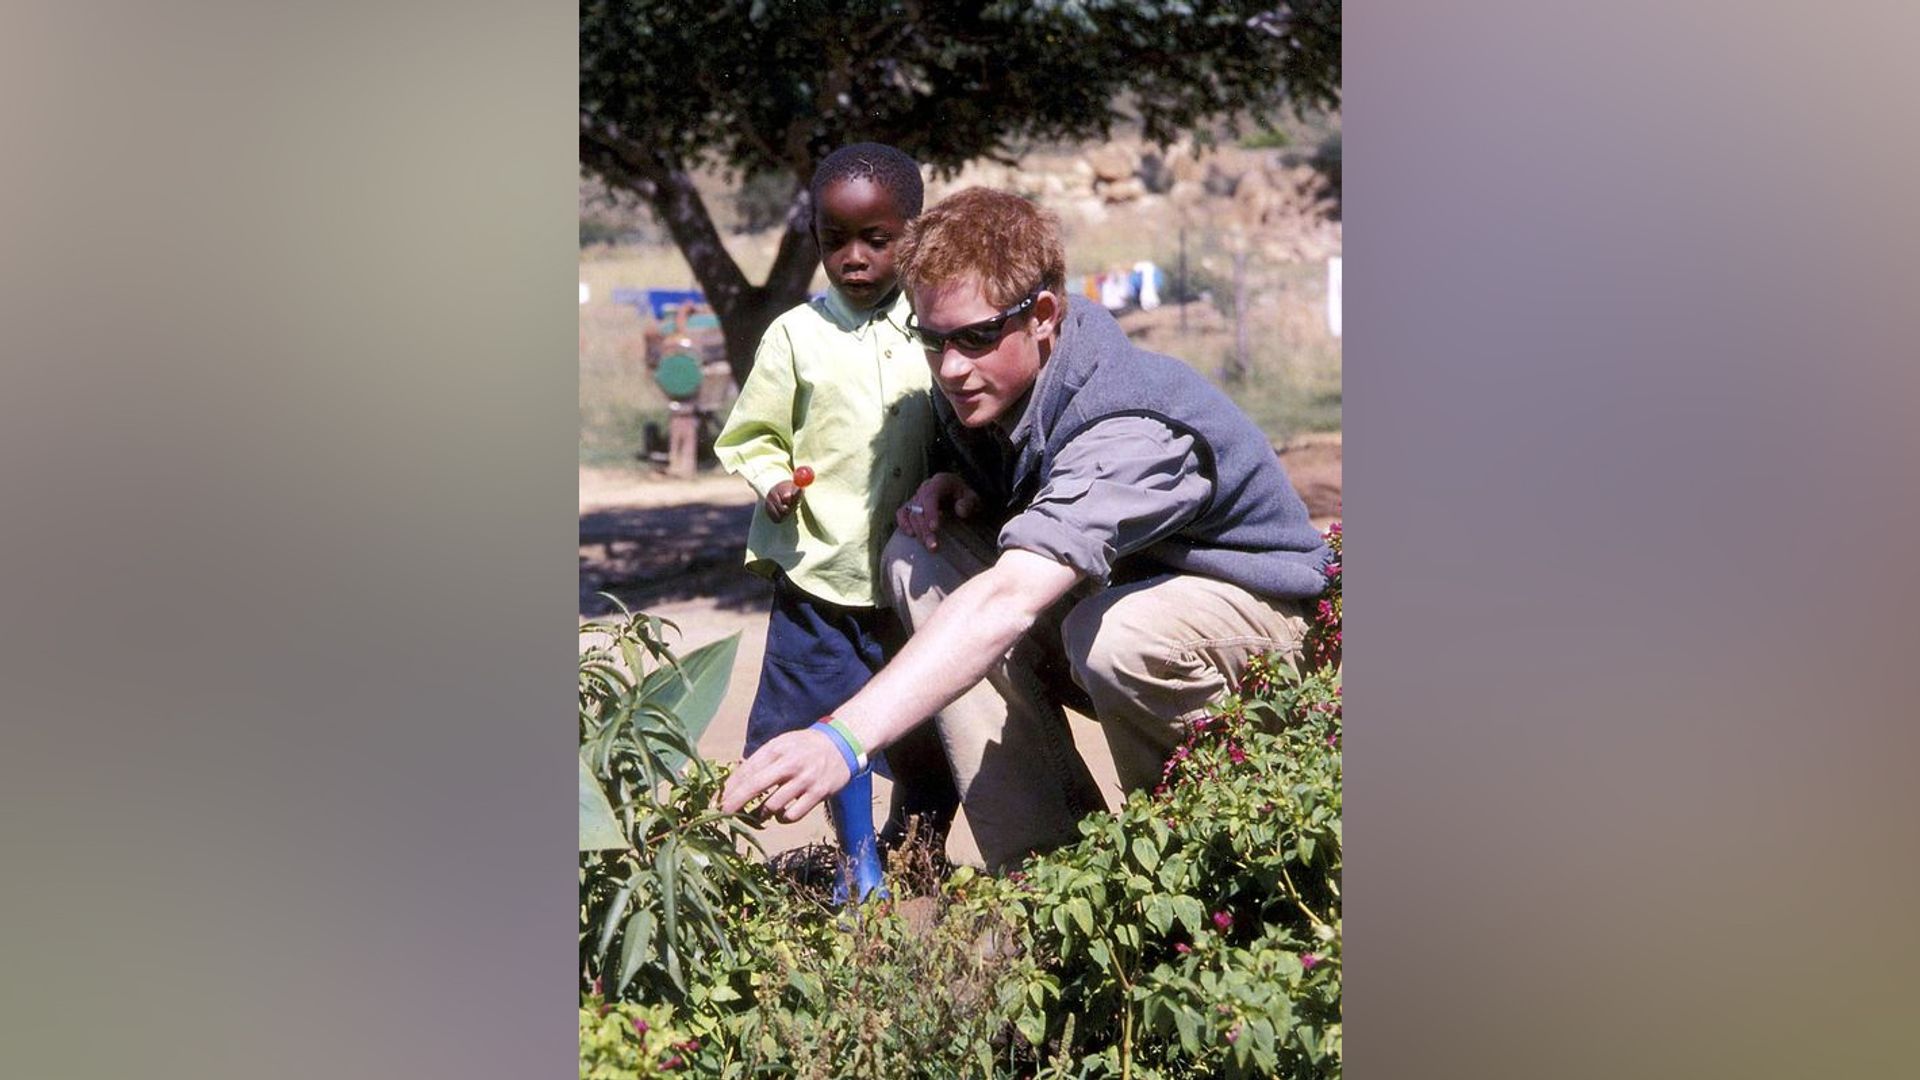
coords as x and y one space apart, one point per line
1236 755
1223 920
1307 960
639 1026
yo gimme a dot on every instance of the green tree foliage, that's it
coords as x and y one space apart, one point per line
768 87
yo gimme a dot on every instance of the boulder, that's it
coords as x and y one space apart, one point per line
1184 164
1113 162
1187 193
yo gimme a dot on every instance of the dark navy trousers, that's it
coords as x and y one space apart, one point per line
819 654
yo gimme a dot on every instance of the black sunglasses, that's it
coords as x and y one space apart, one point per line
973 337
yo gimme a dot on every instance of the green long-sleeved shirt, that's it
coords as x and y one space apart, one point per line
847 393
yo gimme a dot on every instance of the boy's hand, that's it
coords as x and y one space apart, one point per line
782 499
943 493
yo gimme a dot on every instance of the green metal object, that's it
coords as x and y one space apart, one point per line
678 375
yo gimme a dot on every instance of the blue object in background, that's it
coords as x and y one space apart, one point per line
657 302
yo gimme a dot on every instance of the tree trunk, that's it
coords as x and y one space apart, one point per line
745 309
786 285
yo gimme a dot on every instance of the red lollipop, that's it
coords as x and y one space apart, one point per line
802 476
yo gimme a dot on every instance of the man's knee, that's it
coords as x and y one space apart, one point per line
896 567
1102 650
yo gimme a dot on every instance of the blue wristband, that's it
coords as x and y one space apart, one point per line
840 743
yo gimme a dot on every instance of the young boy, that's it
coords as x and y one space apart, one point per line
832 429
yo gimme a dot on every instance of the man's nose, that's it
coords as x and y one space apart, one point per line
954 366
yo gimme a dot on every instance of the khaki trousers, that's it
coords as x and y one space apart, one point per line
1144 659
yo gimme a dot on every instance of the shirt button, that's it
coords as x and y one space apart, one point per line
889 352
896 474
894 409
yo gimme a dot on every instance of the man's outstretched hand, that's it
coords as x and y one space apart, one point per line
795 771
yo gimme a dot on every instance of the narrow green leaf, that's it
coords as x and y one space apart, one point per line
599 830
696 697
668 861
636 946
611 921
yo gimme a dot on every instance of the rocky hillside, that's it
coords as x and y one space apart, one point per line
1286 210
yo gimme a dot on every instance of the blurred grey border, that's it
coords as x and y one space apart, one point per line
288 466
289 507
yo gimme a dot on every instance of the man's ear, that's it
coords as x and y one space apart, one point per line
1048 311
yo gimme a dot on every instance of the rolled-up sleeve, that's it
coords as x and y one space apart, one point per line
756 442
1117 487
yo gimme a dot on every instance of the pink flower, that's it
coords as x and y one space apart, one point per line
1307 960
671 1063
1223 920
1233 1033
1183 948
1236 755
639 1026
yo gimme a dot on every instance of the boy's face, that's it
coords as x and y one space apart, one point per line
856 225
983 385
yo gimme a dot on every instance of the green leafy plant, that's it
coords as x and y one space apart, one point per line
630 1042
654 887
1195 933
1197 930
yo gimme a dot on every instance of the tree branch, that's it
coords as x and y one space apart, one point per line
668 189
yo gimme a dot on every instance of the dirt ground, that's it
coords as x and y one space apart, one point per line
674 548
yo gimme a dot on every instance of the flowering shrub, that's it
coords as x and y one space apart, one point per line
618 1041
1197 931
1323 637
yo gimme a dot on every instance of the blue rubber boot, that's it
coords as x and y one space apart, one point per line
852 813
